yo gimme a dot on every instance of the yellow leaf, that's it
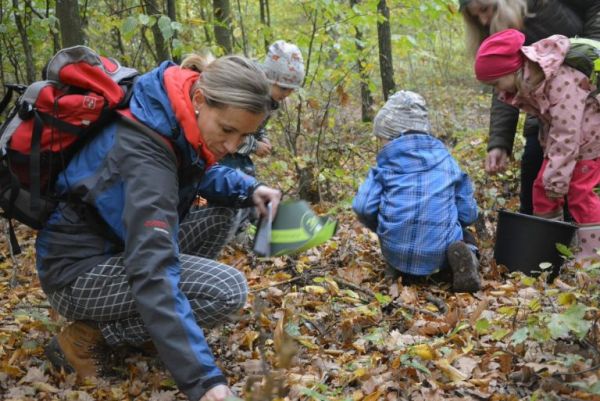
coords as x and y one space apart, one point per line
308 342
249 338
315 289
22 319
450 371
535 305
358 373
424 351
566 298
377 395
45 387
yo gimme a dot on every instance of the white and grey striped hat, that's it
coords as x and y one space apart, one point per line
404 111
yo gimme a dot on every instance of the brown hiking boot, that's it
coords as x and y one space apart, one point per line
76 349
465 268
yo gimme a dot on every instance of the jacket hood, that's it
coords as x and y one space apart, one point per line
161 101
548 53
412 153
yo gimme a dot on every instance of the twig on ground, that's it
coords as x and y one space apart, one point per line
264 287
590 369
438 302
371 294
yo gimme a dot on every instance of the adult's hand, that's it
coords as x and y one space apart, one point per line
217 393
263 147
496 160
263 195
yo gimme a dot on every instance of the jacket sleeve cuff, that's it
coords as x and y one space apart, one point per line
197 393
499 142
248 201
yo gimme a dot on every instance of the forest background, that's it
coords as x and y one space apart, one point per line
323 325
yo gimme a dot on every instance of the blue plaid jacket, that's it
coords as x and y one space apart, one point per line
416 199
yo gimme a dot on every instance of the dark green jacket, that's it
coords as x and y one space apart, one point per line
548 17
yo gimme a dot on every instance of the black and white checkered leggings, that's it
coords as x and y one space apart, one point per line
214 290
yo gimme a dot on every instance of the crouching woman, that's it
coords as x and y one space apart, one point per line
131 262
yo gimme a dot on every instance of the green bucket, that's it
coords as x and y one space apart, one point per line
294 229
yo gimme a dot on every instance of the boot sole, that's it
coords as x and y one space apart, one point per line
465 275
56 356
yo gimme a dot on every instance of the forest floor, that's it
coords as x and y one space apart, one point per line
327 325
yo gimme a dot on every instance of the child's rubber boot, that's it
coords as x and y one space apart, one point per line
465 268
588 241
77 349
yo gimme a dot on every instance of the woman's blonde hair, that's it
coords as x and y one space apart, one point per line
233 81
507 14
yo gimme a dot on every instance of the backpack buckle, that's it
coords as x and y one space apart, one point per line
25 110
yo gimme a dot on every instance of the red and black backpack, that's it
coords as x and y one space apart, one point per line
51 120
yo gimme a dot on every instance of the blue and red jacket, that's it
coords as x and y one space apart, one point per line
134 184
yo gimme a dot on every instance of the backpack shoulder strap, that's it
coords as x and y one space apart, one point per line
129 120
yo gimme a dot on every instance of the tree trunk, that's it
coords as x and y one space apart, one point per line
222 13
384 37
30 65
265 19
244 39
71 28
2 75
161 46
203 15
172 13
366 99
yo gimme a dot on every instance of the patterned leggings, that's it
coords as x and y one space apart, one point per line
214 290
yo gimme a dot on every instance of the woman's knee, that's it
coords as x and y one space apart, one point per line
237 291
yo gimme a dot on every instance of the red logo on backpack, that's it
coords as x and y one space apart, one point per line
89 102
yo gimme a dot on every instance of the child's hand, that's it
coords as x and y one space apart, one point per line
263 148
554 195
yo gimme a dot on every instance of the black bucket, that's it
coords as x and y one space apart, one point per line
523 242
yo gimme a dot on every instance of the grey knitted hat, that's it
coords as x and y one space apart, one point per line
404 111
284 65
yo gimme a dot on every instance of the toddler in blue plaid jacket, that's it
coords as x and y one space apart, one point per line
417 199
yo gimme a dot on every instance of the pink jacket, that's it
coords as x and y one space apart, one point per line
562 102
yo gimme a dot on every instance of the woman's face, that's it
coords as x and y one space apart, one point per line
279 93
224 129
507 83
482 11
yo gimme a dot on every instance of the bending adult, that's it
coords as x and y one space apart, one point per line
537 19
132 262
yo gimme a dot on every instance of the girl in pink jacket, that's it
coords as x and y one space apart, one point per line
535 80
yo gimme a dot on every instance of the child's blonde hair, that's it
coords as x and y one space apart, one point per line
536 77
508 14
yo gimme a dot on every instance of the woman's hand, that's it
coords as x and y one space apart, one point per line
218 393
263 147
263 195
496 160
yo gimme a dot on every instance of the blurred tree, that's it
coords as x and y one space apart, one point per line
162 48
222 23
29 64
366 99
71 24
384 37
265 20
